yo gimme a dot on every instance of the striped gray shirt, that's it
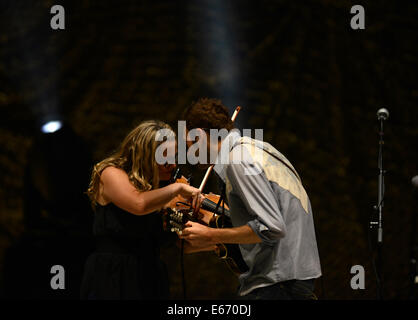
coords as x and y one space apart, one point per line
265 192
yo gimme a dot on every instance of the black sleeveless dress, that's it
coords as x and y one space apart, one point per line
126 263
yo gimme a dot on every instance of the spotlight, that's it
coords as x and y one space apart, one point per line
51 126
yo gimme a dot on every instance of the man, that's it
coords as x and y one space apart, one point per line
269 209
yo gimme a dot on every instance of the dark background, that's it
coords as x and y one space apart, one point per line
299 72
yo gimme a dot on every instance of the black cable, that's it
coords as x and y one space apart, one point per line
184 203
222 199
183 278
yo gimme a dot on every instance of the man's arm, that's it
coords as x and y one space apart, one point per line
265 223
257 195
199 235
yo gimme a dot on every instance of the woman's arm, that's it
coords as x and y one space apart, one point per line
119 190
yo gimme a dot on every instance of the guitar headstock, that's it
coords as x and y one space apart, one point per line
176 218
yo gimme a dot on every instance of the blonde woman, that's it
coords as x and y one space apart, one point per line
126 193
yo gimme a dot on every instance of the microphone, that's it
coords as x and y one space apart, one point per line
382 114
414 181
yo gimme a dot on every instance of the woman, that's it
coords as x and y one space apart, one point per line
126 194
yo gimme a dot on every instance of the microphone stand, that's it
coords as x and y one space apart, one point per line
379 209
412 294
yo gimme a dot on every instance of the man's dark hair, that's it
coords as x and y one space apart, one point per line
207 114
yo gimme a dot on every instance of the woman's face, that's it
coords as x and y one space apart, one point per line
170 152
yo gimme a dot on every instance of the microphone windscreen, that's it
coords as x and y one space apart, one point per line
383 113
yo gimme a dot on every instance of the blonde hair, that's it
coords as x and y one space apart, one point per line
135 156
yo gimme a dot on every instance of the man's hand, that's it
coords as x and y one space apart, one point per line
197 235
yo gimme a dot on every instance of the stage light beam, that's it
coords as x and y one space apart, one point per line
51 126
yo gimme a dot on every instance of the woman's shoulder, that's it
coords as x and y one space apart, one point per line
111 177
112 173
112 170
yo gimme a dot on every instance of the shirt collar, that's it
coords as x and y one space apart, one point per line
223 156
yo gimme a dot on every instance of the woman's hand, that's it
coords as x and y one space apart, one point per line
191 193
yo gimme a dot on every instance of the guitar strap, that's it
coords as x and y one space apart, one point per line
222 198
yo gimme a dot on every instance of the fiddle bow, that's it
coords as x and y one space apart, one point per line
213 213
